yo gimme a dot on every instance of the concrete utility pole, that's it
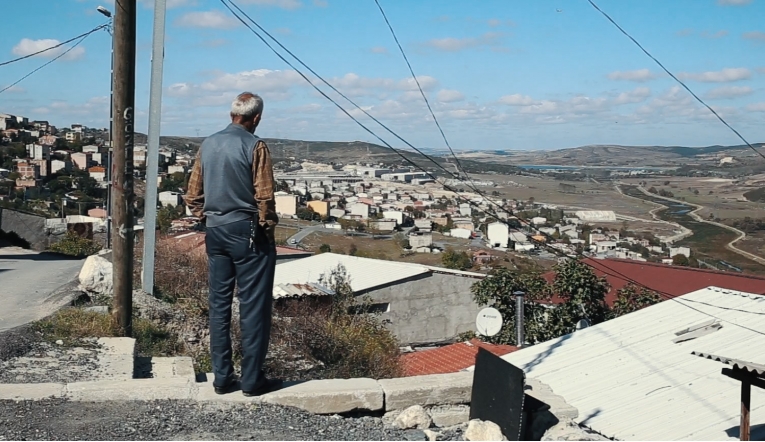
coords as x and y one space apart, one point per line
108 14
122 168
152 154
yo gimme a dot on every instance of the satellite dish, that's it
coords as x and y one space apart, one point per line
488 322
583 323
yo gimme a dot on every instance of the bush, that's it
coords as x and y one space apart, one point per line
456 260
75 245
341 339
181 276
325 248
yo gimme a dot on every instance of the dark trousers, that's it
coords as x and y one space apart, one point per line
233 259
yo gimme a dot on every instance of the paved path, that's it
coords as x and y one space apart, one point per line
29 283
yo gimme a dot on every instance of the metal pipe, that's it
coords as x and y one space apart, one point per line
519 319
152 152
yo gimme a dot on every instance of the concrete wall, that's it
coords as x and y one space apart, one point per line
429 308
30 227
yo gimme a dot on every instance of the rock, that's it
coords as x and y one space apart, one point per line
570 430
96 276
449 415
59 342
483 430
431 435
98 309
413 417
415 435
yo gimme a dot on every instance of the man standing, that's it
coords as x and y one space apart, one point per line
231 190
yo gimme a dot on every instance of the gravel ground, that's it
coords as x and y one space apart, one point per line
179 420
25 359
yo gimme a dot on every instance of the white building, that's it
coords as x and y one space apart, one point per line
461 233
517 237
498 235
286 204
423 224
169 198
57 165
538 220
466 209
337 213
394 214
421 240
596 215
176 168
360 209
679 251
38 152
603 246
92 148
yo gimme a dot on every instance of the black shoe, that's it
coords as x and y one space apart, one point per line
268 386
228 388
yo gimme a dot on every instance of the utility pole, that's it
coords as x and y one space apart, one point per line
152 154
122 167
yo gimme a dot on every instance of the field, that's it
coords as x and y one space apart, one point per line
707 242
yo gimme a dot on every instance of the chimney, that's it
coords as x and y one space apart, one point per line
519 317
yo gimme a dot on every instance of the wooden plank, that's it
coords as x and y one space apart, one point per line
744 376
746 392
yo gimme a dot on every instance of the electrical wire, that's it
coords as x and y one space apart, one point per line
45 64
555 251
675 78
97 28
422 92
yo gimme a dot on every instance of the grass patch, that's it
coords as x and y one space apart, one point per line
73 326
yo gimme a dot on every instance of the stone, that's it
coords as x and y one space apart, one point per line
483 430
415 435
330 396
567 430
59 342
449 415
413 417
96 276
450 388
431 435
103 309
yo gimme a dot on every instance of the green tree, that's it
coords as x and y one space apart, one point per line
173 182
498 290
632 298
452 259
325 248
584 296
680 260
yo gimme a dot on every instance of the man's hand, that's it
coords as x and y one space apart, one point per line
269 229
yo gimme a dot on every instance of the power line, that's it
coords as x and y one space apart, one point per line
46 64
556 251
675 78
424 97
97 28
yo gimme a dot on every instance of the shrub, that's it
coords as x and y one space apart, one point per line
75 245
325 248
181 276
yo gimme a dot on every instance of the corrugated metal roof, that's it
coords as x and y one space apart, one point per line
758 369
300 290
630 381
364 273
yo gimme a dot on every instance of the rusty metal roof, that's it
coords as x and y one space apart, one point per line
300 290
751 367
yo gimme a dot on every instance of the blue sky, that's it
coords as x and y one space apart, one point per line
504 74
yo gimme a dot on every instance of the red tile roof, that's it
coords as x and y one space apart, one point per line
449 359
665 278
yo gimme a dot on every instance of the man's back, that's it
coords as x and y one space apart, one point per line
227 158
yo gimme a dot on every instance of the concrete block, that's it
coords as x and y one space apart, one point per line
117 346
205 392
24 392
449 415
130 390
330 396
173 367
437 389
558 406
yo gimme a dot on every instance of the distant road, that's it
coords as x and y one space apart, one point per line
29 283
302 233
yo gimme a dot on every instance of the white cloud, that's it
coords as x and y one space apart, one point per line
495 22
756 107
207 19
27 46
13 89
284 4
733 2
754 35
721 76
449 96
725 92
640 75
451 44
516 100
714 35
379 50
635 96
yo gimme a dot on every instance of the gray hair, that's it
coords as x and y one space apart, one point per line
247 105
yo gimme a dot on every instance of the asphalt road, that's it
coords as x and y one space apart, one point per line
29 283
